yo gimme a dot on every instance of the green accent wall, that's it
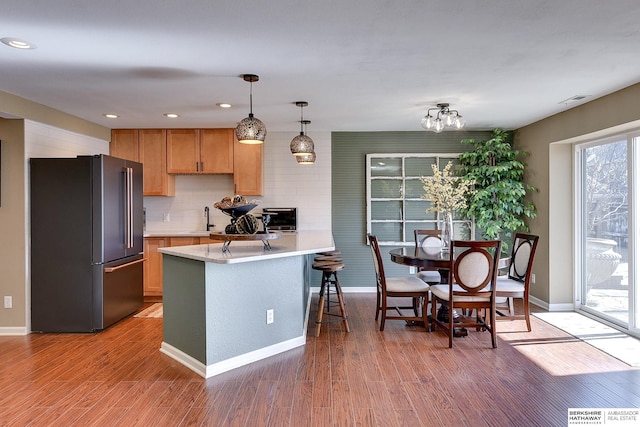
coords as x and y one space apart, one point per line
349 197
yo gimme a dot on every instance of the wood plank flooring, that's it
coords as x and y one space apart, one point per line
403 376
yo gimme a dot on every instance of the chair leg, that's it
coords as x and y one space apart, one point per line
320 305
525 307
378 302
492 320
343 311
450 326
383 310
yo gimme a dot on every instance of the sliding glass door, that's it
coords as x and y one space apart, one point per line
605 205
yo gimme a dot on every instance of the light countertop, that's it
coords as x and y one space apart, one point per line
176 233
290 244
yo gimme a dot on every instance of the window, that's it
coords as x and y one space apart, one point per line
605 210
394 204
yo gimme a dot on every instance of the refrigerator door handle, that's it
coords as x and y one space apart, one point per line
129 264
128 208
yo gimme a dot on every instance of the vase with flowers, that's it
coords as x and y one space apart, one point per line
447 194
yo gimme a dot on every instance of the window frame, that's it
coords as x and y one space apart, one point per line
407 238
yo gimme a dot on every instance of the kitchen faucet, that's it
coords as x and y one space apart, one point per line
206 214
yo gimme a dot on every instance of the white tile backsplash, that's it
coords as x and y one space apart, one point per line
286 184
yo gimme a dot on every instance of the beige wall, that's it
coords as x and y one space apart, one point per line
14 233
550 168
12 224
12 106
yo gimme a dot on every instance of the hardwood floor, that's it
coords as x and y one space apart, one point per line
403 376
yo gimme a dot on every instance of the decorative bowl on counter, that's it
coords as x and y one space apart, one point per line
237 211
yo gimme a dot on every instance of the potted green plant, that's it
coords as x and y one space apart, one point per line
498 205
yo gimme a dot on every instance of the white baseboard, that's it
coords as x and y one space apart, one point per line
551 307
208 371
13 331
349 290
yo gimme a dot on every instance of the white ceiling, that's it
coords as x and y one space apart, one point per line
360 64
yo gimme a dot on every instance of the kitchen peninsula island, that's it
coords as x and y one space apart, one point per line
217 304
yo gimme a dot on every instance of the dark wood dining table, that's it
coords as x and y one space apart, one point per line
420 257
432 258
428 258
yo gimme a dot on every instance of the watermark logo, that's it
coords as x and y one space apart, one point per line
617 417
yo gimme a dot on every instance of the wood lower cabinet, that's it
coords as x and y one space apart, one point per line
247 168
153 264
149 147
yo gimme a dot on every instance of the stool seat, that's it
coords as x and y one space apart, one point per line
334 252
329 265
330 258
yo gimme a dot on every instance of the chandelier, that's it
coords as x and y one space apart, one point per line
445 118
251 130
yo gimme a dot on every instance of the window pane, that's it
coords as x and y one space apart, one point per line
386 166
391 209
413 188
386 188
387 231
418 166
605 213
416 210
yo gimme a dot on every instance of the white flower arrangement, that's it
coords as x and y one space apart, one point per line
446 192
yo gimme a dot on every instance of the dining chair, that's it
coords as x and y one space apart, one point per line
428 240
473 269
515 284
397 287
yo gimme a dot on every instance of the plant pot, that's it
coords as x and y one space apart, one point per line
602 261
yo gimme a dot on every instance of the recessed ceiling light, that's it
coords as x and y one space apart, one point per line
17 43
171 115
223 105
111 116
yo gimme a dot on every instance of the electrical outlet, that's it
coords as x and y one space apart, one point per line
269 316
165 217
533 278
8 301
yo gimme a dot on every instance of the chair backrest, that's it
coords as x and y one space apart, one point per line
522 253
427 238
474 265
377 261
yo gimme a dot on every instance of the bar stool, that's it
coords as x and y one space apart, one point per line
330 265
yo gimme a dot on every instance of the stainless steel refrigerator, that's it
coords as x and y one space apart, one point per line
86 242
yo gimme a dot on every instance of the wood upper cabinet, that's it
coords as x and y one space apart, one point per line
124 144
153 146
216 150
199 151
247 168
149 147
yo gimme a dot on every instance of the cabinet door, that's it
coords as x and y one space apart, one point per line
124 144
153 266
247 168
185 241
153 149
183 151
216 150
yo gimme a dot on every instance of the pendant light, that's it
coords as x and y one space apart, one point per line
307 159
251 130
302 145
